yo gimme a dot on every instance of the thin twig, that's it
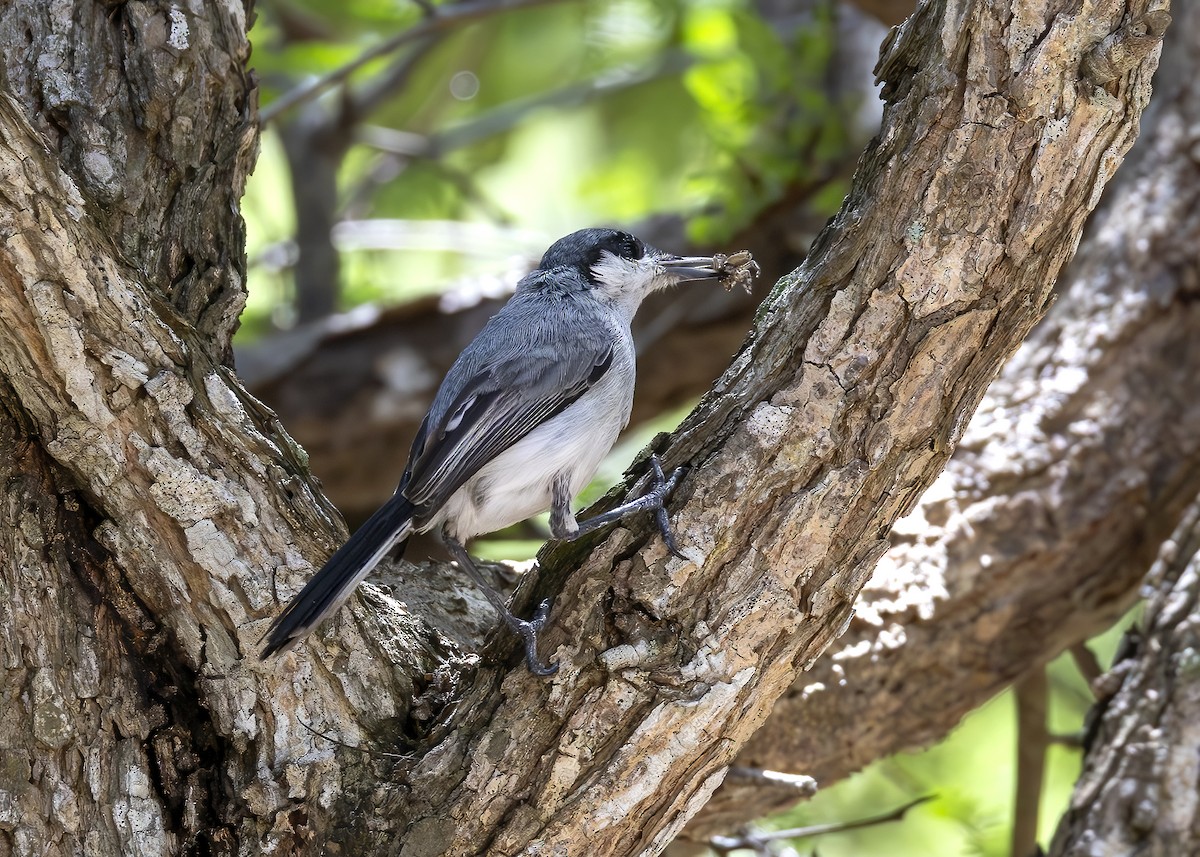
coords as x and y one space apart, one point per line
1032 741
446 18
508 115
802 784
432 147
363 103
755 839
505 117
1086 662
1073 740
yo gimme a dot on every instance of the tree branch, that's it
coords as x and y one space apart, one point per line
1137 792
1037 536
143 144
758 840
832 420
198 500
1032 742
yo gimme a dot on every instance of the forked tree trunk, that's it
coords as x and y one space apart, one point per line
156 515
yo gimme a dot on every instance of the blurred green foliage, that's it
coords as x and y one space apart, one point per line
970 774
534 123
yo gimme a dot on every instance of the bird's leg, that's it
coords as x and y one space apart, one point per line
564 526
527 631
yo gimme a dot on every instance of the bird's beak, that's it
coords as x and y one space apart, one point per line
689 267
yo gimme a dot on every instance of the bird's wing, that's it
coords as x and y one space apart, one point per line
498 391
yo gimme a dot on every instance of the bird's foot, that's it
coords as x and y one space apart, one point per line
661 489
528 631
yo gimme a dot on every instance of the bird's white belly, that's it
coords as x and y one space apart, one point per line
517 484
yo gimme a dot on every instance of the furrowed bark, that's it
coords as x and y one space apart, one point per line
144 119
150 502
839 411
151 112
1137 793
193 502
1076 467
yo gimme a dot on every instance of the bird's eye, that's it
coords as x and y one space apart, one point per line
631 248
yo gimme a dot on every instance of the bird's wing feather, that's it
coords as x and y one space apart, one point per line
497 392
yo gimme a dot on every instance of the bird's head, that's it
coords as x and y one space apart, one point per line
621 268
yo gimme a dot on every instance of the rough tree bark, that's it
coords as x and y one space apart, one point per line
170 513
122 94
143 133
1137 793
1078 464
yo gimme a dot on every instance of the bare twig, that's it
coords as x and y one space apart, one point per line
1086 662
1032 740
804 786
380 754
506 116
1074 740
358 106
756 839
404 145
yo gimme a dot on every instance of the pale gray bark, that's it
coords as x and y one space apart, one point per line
107 747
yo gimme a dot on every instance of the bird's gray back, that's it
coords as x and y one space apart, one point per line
539 342
551 344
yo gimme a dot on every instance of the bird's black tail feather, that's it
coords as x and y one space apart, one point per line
329 587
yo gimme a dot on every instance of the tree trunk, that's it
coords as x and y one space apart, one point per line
118 207
1077 465
169 513
315 149
120 92
1137 793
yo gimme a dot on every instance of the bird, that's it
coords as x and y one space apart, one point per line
519 425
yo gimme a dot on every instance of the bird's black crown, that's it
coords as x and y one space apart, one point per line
582 250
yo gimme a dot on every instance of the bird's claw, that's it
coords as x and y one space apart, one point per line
528 631
662 488
540 615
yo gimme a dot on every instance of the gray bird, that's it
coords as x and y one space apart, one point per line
519 425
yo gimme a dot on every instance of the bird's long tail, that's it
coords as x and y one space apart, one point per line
388 528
